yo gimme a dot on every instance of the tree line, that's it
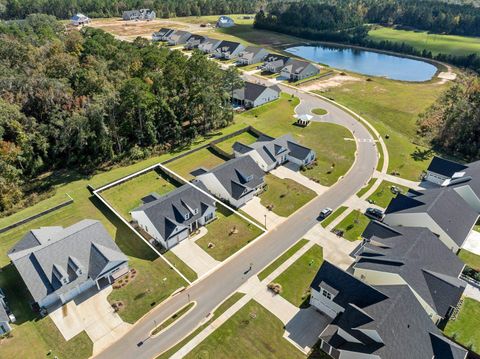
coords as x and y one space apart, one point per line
64 9
71 99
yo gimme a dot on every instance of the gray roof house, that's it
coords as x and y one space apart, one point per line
209 45
171 218
194 41
274 63
79 20
228 50
57 263
178 37
235 181
251 55
441 170
295 70
5 318
375 321
269 152
413 256
253 95
225 21
162 34
442 210
141 14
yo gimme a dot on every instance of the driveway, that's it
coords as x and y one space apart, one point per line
194 256
95 316
285 172
259 212
472 243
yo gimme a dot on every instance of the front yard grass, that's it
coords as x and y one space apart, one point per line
365 188
470 259
353 225
252 332
285 196
464 329
188 272
245 137
296 279
202 158
383 195
228 233
127 195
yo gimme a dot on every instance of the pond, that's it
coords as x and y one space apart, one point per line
367 62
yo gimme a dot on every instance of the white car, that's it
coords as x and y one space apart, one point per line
324 213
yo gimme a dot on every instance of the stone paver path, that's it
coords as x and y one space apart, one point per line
285 172
258 211
472 243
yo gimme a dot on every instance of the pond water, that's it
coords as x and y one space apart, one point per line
367 62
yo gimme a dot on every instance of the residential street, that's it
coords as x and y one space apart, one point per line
219 284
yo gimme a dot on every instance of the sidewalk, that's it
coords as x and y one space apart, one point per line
285 172
398 180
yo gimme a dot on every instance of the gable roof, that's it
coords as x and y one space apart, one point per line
251 51
168 212
415 254
177 34
276 57
445 167
251 91
56 250
228 46
295 66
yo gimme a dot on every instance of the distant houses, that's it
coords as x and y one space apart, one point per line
178 37
162 34
253 95
209 45
273 63
225 21
251 55
228 50
295 70
141 14
79 20
194 41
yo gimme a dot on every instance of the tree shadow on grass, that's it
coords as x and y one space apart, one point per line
421 155
126 239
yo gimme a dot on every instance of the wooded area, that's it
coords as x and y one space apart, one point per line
71 99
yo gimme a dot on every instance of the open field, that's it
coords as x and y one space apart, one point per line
284 196
464 329
297 278
445 44
383 195
204 158
252 332
128 195
353 225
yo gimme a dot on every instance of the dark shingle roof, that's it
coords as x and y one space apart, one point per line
276 57
445 167
251 91
296 66
228 46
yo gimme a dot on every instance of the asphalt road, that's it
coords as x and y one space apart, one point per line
211 290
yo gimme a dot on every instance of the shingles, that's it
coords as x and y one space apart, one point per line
445 167
228 46
276 57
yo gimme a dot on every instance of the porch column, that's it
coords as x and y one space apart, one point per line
98 286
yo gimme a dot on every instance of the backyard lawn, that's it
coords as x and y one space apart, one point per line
228 233
383 195
465 329
353 225
252 332
246 138
297 278
284 196
204 158
470 259
127 195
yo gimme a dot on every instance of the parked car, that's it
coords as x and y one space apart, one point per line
324 213
374 213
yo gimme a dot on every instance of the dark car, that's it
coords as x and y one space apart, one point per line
324 213
374 213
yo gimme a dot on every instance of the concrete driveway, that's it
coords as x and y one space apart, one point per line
258 211
95 316
286 172
472 243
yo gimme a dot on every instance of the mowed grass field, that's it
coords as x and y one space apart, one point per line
446 44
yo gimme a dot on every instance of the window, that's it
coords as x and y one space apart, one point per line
326 294
187 215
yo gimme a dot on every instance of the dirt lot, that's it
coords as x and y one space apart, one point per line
332 81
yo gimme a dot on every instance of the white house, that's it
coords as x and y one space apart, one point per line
169 219
251 55
295 70
141 14
269 152
225 21
194 41
228 50
209 45
235 181
79 20
253 95
274 63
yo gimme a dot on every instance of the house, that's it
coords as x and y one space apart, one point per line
57 264
415 257
162 34
209 45
295 70
194 41
235 181
178 37
274 63
269 152
375 321
253 95
171 218
142 14
228 50
225 21
6 317
442 210
251 55
442 171
79 20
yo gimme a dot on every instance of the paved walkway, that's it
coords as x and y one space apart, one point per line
472 243
194 256
258 211
285 172
398 180
472 292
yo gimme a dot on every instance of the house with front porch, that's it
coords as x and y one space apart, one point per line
255 94
57 264
194 41
295 70
171 218
228 50
273 63
251 55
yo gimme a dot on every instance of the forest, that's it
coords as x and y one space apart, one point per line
71 99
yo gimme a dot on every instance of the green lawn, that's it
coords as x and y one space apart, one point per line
365 188
276 119
353 225
393 107
470 259
446 44
173 318
127 196
202 158
219 311
282 259
188 272
297 278
284 196
464 329
334 215
229 232
319 111
245 137
383 195
252 332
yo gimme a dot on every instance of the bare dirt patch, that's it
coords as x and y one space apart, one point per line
325 84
